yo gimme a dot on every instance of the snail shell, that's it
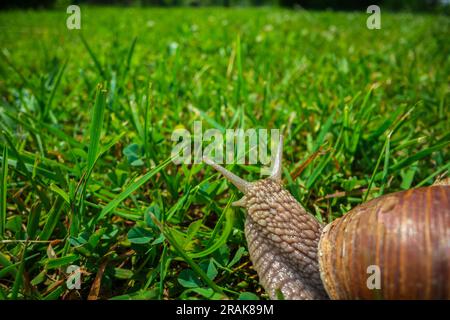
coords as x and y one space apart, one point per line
406 234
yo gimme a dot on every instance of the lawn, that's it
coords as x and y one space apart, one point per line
86 118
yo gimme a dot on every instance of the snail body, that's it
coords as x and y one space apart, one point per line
404 235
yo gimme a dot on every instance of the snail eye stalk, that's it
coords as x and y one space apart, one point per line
241 184
277 168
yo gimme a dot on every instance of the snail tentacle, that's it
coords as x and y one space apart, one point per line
240 183
277 169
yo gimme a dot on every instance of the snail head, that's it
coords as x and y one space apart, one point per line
261 191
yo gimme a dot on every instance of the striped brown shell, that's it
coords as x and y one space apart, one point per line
405 234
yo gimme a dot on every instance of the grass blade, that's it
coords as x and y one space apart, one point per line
419 155
55 87
95 131
228 214
131 188
33 220
52 219
372 179
96 128
195 267
3 188
19 276
94 58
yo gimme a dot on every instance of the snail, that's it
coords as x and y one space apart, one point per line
405 236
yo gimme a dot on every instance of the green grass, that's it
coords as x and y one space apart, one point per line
86 119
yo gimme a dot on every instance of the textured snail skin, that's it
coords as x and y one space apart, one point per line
283 242
406 234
